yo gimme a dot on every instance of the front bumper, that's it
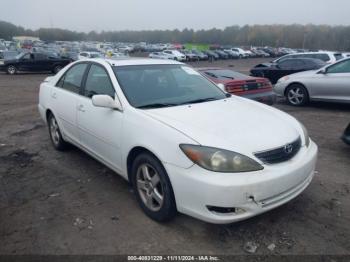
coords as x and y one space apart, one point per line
280 87
248 193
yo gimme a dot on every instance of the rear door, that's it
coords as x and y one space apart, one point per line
64 100
100 128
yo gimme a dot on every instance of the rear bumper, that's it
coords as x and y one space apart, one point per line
249 194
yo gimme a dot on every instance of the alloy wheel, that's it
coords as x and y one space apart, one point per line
54 130
150 187
11 70
296 96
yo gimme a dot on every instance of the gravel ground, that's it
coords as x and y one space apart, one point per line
68 203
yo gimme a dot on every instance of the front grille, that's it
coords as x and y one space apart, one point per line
281 154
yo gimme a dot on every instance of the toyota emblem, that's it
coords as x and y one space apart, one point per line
288 149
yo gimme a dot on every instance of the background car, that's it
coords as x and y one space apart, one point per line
221 54
190 55
259 89
34 62
274 71
175 55
327 57
211 55
201 55
330 83
86 55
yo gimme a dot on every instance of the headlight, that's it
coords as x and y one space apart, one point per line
306 135
220 160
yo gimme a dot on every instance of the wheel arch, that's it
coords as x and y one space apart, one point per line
133 153
297 83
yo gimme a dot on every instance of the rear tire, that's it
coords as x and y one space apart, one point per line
11 70
297 95
55 134
152 188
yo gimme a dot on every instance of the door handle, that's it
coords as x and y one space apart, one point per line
81 108
54 95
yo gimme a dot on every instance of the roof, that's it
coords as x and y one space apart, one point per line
138 61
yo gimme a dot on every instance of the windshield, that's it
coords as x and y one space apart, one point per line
95 55
165 85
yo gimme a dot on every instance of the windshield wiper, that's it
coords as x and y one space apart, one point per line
200 100
156 105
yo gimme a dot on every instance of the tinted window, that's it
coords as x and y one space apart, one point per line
26 57
342 67
71 81
323 57
290 63
98 82
39 56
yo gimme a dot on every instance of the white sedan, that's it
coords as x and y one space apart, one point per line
182 143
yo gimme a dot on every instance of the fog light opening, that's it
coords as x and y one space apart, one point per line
226 210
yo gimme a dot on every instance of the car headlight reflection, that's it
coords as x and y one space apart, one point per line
220 160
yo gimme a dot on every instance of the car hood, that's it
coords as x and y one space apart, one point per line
235 124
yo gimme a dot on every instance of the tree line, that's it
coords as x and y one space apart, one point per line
309 36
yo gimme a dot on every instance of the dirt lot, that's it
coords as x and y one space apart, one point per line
68 203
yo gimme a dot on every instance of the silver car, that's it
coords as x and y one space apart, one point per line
330 83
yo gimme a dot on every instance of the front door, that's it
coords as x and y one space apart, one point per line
335 83
100 128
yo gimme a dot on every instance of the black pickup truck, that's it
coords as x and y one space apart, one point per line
34 62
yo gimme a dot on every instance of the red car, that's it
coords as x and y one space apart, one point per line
256 88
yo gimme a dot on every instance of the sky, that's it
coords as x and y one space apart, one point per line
98 15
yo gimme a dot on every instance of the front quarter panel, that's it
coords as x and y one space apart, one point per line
141 130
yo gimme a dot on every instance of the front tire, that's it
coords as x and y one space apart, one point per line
297 95
11 70
152 187
55 134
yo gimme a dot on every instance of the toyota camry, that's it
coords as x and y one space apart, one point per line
182 143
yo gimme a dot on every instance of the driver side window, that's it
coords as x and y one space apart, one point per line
342 67
98 82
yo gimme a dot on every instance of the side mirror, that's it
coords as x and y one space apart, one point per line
106 101
222 87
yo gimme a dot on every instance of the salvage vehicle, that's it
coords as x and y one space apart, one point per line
182 143
259 89
34 62
274 71
330 83
346 136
